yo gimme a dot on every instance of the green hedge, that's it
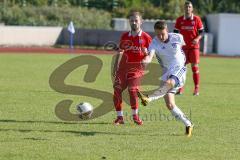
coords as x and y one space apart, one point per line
55 16
148 11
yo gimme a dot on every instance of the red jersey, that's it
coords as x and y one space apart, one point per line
189 29
133 47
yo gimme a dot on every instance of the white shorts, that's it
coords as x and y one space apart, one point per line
179 72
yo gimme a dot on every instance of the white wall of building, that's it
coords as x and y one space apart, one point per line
226 32
29 36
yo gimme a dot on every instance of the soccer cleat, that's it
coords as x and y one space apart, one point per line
196 91
189 130
144 99
137 120
119 120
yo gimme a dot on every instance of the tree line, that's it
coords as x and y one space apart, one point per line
59 12
167 8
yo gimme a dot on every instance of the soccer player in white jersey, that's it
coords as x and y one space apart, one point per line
168 50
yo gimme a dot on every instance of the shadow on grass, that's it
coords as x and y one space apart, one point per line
49 122
76 133
79 133
35 139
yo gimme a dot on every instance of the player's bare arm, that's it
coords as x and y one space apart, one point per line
116 63
148 58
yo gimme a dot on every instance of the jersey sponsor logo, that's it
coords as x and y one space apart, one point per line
134 49
128 45
187 27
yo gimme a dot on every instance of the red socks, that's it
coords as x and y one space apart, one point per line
196 76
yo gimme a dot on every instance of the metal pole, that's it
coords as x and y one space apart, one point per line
71 41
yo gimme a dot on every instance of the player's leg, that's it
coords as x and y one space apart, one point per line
173 78
163 89
133 87
195 70
119 86
196 78
177 113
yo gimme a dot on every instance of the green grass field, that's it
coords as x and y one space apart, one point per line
29 128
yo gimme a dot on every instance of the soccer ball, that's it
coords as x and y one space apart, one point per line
85 110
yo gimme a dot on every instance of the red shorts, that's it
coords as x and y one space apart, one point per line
131 80
192 55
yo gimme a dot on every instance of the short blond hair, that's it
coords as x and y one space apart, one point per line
134 13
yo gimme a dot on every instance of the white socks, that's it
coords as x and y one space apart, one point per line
134 112
120 113
179 115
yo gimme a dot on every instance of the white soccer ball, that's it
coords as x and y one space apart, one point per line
85 110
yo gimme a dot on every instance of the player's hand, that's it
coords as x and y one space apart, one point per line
147 59
145 51
195 41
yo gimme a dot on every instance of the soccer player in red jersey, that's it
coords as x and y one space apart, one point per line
191 27
128 68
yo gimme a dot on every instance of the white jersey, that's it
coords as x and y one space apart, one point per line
171 57
169 54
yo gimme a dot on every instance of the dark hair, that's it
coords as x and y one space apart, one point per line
188 3
160 25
